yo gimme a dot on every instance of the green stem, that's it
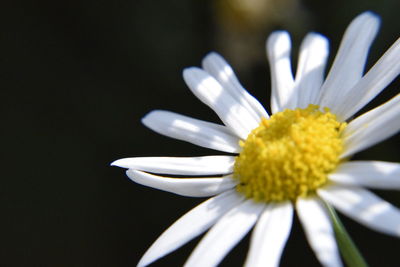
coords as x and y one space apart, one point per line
348 249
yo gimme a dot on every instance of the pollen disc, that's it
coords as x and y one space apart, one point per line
289 155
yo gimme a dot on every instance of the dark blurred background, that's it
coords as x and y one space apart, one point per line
77 76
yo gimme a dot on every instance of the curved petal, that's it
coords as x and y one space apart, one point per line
372 127
225 234
318 229
270 235
282 82
232 113
216 65
192 224
201 133
364 207
191 187
208 165
313 57
375 80
373 174
348 66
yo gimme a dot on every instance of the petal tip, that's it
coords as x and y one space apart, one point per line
150 116
278 44
317 37
143 262
212 58
118 163
276 35
212 54
369 14
187 72
368 17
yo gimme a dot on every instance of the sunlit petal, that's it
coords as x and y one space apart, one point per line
348 66
207 165
192 224
270 235
372 127
216 65
313 55
319 231
191 187
201 133
373 174
229 109
225 234
364 207
385 70
282 82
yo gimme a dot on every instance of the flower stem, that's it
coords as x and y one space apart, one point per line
348 249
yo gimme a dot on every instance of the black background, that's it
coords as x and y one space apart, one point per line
77 76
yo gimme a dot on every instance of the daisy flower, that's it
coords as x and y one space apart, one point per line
296 159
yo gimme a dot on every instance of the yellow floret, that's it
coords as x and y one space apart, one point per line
289 155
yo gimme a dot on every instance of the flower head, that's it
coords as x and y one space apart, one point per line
296 159
289 155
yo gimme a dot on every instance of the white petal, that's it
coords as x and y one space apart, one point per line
192 224
225 234
201 133
377 78
216 65
191 187
208 165
270 235
318 229
364 207
348 66
373 174
372 127
232 113
314 52
282 82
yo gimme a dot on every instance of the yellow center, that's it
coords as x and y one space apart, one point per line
289 155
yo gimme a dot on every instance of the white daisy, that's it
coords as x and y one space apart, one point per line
295 159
